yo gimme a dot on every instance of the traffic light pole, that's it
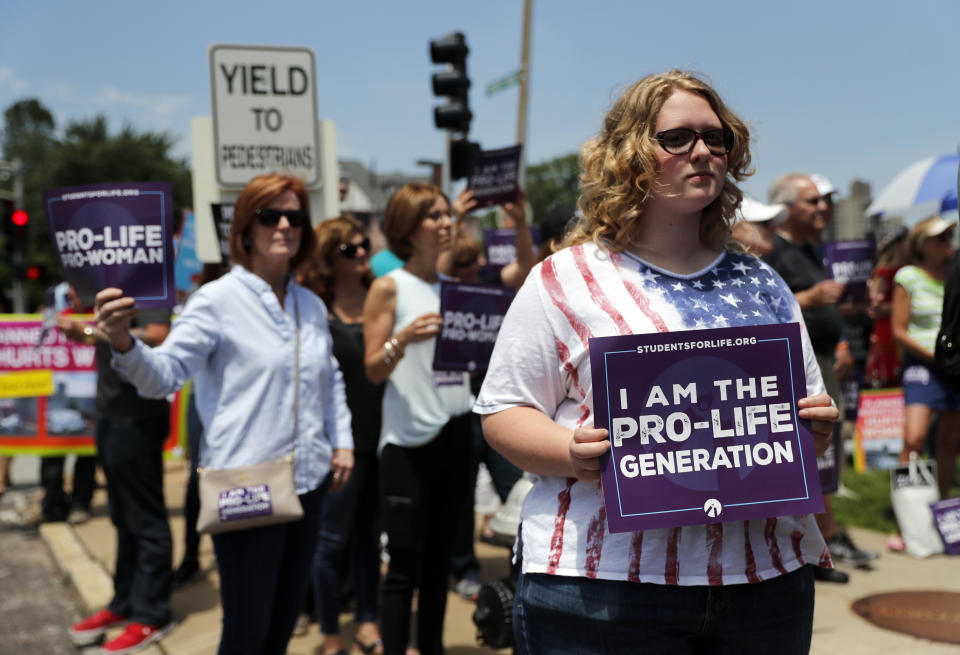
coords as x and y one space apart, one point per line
19 292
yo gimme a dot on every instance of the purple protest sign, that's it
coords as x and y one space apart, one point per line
472 314
946 516
500 247
850 262
828 464
703 427
493 176
116 235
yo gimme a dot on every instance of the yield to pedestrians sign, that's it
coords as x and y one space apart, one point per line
264 112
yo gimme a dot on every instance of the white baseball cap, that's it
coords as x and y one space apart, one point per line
824 186
754 211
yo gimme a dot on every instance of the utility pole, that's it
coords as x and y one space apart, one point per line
524 86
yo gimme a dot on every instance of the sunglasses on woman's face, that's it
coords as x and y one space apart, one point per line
271 217
349 250
681 140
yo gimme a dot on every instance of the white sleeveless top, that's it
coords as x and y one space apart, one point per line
419 401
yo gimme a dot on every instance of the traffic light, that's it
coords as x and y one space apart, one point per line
14 226
461 151
453 83
6 216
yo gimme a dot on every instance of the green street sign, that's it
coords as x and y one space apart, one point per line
503 83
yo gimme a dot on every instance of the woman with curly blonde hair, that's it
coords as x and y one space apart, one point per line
658 192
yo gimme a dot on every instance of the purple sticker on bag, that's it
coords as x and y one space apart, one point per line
245 503
946 516
703 427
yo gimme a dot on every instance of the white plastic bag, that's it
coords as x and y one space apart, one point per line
913 486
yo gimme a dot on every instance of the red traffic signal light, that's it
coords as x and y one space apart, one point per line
33 273
20 217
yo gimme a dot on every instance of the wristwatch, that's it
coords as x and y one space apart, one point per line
89 335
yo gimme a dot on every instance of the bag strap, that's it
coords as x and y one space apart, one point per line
296 376
919 469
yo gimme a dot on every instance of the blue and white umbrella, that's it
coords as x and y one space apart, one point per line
926 187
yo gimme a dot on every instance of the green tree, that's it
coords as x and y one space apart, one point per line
553 182
87 153
28 136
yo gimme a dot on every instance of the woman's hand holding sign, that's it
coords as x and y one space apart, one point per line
821 413
114 311
586 446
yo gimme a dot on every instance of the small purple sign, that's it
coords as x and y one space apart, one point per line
500 246
472 314
828 464
493 176
850 262
946 516
245 503
115 235
703 427
223 219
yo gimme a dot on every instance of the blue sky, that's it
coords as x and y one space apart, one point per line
850 90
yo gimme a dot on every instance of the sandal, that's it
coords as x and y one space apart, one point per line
375 647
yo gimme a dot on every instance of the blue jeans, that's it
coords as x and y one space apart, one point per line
559 614
349 535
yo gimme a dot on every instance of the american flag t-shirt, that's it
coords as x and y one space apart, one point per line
541 360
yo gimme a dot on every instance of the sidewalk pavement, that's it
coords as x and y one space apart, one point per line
86 554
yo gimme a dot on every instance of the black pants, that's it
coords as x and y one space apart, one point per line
191 500
264 574
422 490
131 455
504 475
56 504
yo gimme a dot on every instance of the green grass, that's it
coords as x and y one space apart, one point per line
871 508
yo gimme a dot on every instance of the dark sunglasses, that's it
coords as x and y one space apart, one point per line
946 237
271 217
349 250
681 140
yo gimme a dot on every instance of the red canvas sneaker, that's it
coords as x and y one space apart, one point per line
135 637
91 628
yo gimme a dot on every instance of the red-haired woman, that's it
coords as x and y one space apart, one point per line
251 340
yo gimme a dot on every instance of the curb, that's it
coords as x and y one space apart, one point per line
91 581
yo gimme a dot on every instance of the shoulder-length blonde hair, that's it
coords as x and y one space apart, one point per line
331 234
257 194
619 165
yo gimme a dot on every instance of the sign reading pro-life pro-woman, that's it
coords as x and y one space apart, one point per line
116 235
703 427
